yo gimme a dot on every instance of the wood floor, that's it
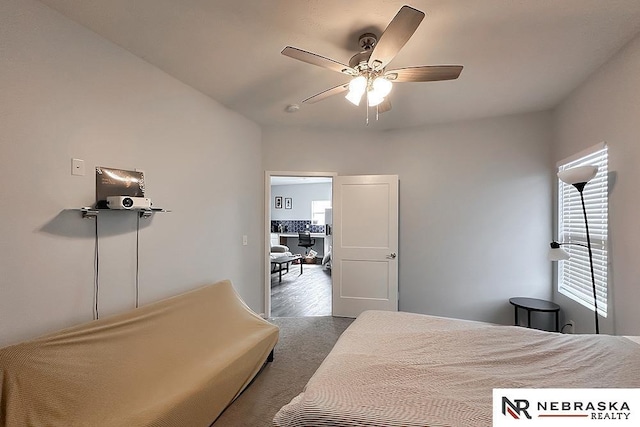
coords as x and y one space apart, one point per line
300 295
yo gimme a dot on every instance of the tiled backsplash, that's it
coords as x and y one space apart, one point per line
296 226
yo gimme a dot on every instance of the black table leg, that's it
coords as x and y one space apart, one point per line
533 304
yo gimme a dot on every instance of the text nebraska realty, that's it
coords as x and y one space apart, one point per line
598 410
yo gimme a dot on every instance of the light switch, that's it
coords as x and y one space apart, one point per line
77 167
244 240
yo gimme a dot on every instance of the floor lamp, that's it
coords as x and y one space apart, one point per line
578 177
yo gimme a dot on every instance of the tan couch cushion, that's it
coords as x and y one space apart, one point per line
177 362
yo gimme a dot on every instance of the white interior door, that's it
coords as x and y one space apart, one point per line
365 244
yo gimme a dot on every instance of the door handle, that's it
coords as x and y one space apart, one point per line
392 255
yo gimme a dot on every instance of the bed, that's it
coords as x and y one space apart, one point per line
404 369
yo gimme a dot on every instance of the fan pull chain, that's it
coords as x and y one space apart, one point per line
367 107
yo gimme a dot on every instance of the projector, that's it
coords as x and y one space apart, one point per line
127 202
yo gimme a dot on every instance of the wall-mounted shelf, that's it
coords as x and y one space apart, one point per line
88 212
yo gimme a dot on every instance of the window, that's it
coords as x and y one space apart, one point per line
317 211
574 275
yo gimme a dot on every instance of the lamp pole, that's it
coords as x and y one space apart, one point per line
579 177
580 188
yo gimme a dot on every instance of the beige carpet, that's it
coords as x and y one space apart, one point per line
303 345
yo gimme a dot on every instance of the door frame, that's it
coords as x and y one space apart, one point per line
267 226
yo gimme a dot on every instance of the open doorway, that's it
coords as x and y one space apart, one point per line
298 221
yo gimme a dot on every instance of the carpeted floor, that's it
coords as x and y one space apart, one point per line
304 343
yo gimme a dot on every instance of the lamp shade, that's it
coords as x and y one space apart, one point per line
354 97
357 86
373 99
382 86
558 254
578 175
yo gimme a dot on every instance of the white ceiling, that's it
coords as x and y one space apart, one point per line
518 55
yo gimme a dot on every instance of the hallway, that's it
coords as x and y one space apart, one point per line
299 295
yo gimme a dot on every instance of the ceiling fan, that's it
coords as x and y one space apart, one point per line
369 75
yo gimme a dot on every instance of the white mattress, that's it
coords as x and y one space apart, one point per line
403 369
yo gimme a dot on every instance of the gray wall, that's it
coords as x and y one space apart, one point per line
302 195
606 108
69 93
475 206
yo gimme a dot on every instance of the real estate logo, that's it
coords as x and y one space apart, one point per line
516 409
566 407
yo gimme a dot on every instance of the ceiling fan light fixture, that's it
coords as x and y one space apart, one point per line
358 85
354 97
382 86
373 98
368 68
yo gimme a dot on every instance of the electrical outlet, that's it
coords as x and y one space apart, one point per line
571 326
244 240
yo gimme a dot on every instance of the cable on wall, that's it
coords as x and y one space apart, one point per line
96 274
137 259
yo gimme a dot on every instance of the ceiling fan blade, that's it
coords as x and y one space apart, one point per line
327 93
425 73
384 106
320 61
397 33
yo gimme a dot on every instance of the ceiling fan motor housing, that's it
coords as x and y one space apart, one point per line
360 60
367 41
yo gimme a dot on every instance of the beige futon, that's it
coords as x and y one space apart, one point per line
176 362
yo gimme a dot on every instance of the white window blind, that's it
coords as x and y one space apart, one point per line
574 275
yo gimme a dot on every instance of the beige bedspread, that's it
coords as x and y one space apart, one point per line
402 369
177 362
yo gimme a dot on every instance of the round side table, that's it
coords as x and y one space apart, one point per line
534 304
